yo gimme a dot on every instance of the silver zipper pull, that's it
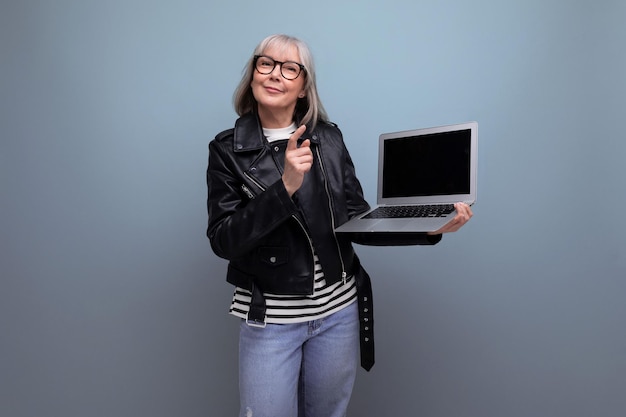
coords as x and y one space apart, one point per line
247 191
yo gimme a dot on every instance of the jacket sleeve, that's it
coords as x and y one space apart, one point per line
394 239
352 187
237 221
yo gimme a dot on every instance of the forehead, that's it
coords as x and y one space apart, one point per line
282 52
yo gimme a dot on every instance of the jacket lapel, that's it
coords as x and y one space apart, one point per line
248 139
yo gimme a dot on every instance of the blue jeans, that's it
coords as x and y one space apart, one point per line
303 369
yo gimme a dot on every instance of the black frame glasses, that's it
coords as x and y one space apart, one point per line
292 66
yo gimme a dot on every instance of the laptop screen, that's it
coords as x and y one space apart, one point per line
433 164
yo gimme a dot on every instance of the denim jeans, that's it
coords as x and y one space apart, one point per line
299 370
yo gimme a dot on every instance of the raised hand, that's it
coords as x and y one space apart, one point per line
298 161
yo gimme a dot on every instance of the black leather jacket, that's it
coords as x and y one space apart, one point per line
267 236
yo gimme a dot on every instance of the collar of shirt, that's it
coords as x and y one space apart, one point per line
279 134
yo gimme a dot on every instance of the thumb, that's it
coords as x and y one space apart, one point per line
293 139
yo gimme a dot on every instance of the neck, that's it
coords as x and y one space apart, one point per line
275 120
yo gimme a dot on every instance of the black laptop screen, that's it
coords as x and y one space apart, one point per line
431 164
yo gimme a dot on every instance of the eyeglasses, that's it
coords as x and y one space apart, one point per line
289 70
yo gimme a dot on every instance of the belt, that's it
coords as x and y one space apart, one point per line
256 313
366 315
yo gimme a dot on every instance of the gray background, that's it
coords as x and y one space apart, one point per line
111 302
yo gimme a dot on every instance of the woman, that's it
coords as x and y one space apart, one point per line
279 183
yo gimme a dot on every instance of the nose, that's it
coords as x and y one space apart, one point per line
276 72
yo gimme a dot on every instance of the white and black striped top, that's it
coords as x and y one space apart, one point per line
284 309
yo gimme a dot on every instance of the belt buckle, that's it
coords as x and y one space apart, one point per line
255 323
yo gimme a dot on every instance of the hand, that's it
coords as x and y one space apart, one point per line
298 161
463 214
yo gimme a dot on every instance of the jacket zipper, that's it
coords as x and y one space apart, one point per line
344 275
310 247
254 181
301 226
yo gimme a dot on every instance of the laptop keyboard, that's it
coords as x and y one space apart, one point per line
398 212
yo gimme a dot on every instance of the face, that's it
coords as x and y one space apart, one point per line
277 96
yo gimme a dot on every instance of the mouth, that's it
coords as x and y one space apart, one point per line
272 90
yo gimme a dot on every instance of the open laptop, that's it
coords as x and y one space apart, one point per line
421 174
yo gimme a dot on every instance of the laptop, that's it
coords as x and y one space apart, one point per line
421 174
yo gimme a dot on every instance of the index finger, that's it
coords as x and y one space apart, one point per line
293 139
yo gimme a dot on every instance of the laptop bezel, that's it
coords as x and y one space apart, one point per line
469 198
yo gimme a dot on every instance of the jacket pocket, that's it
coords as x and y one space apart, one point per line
273 255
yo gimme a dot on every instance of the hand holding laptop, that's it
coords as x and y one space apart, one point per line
463 214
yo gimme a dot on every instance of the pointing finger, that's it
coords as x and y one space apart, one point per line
293 139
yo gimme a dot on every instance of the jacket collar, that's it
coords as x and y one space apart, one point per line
248 135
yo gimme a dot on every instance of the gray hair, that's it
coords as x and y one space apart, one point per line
309 109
